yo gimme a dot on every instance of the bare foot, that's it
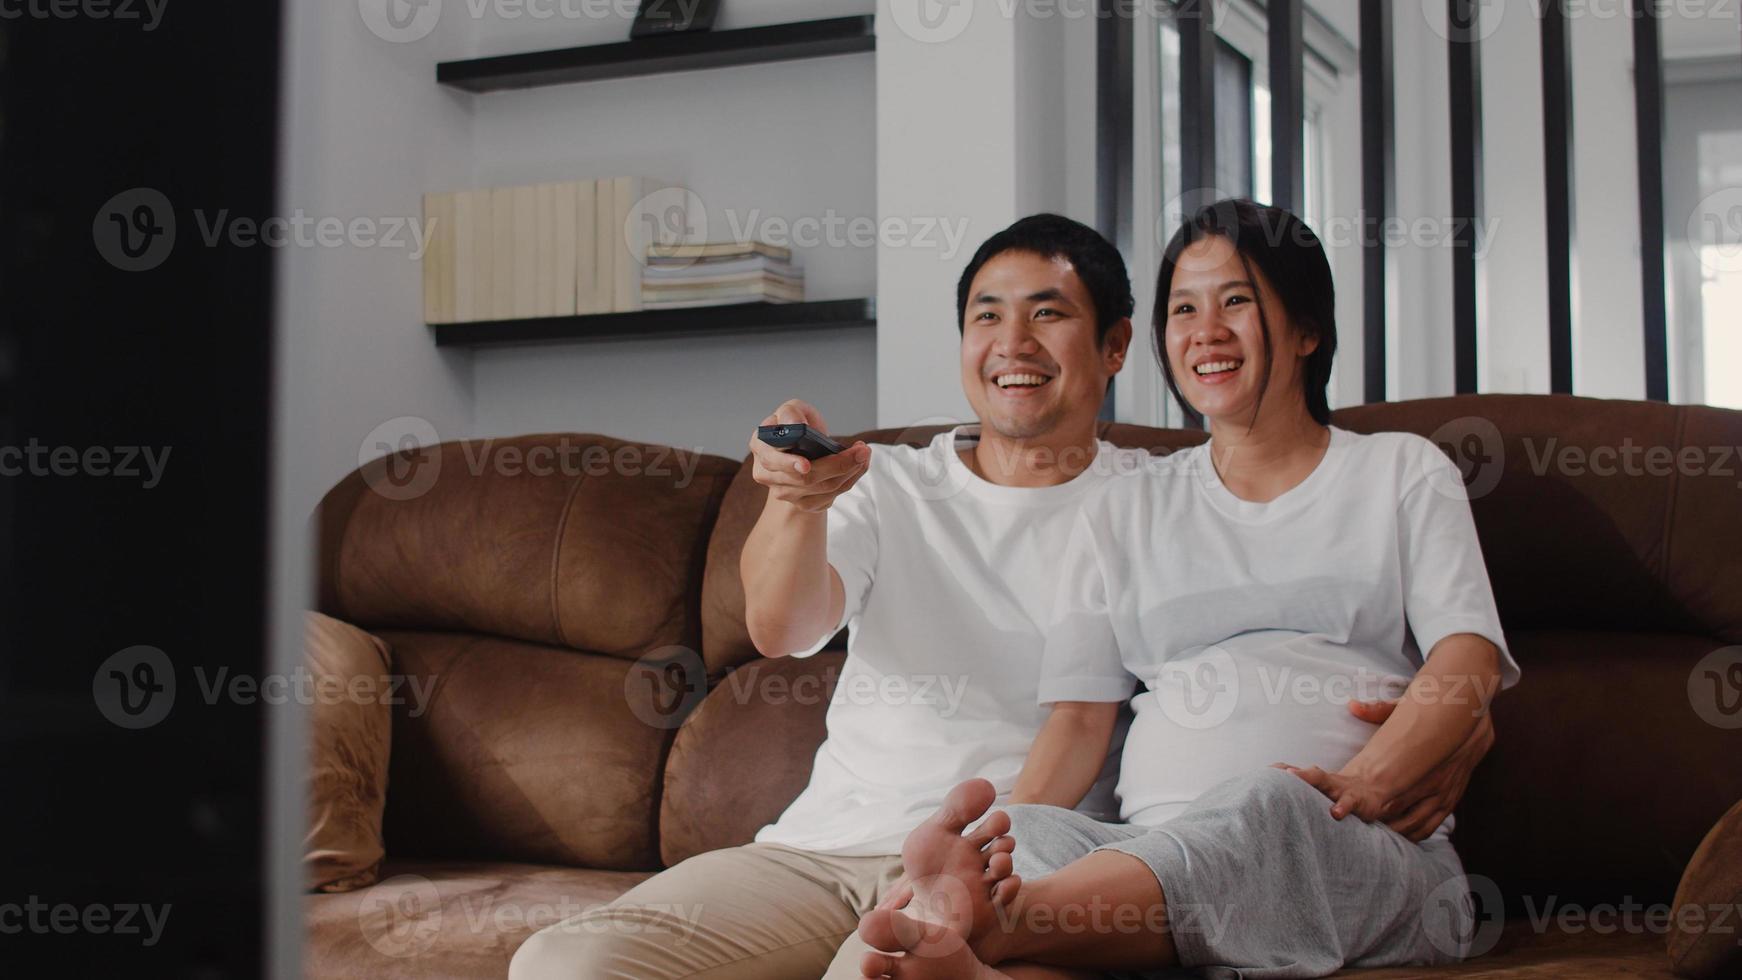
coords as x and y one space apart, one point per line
958 878
897 941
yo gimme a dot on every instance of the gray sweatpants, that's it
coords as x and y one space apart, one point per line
1260 881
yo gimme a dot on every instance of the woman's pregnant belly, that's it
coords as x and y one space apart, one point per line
1246 703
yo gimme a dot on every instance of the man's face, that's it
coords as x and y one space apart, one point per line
1031 363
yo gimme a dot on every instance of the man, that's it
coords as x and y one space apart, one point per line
940 559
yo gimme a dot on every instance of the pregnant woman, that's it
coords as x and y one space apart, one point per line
1246 590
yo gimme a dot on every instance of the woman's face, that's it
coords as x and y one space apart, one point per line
1214 338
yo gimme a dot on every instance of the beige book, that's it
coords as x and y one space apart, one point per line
564 247
438 258
525 304
605 246
502 270
717 250
544 250
471 264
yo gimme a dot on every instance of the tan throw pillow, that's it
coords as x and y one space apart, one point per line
1709 894
350 725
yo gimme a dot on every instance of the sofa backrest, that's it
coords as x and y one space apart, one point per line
525 587
1617 577
581 541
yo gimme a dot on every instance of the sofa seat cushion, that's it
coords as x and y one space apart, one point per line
513 751
1525 952
723 781
446 919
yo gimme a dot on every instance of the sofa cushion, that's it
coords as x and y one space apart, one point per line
349 738
518 752
1594 514
1603 778
446 919
1700 946
725 638
744 753
572 540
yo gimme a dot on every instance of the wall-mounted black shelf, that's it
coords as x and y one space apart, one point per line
656 55
738 318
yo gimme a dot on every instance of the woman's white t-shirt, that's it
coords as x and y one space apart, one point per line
1252 625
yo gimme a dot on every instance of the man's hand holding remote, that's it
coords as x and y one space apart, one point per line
792 598
807 485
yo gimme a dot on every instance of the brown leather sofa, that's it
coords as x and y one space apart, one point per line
567 620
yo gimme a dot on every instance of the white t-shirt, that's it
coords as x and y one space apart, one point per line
1252 625
949 583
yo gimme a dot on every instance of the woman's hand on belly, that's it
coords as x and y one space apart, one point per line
1350 791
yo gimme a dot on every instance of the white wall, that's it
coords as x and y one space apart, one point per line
366 132
985 113
1512 328
1418 347
947 151
765 147
1608 331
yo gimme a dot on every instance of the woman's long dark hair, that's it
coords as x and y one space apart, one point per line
1294 265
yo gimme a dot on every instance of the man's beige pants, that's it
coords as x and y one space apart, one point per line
757 912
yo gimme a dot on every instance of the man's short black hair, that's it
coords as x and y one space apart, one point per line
1050 236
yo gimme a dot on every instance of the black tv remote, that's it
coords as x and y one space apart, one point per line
799 439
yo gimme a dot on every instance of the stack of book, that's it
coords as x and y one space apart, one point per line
559 249
718 273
